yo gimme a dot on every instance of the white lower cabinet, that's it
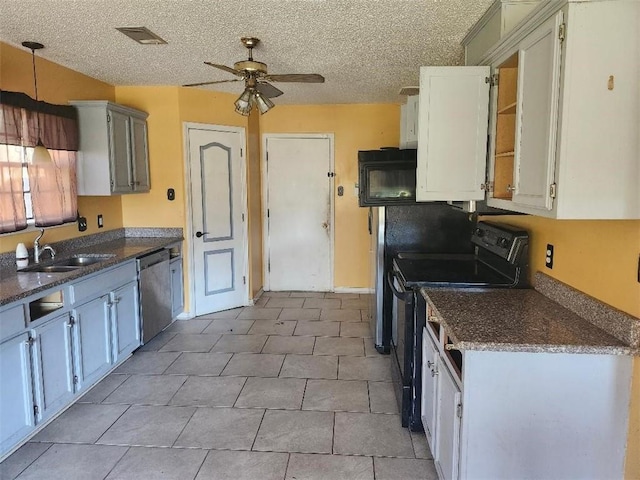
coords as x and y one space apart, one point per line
16 395
48 359
92 340
125 320
517 414
52 358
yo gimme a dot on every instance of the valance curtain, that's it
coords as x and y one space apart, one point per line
24 121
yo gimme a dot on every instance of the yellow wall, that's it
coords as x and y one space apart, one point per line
57 84
355 127
599 258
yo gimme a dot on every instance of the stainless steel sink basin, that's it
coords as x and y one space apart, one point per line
50 268
83 261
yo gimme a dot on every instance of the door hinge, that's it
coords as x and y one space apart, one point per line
331 174
492 79
72 320
108 117
243 217
267 156
562 30
553 190
36 410
268 213
75 379
459 410
269 266
31 340
241 153
244 280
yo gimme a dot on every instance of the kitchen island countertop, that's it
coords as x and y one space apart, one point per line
516 320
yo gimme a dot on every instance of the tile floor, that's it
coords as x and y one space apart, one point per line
291 388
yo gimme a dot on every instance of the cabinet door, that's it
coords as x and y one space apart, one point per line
429 388
53 365
411 119
119 152
126 320
176 287
538 90
92 340
16 395
139 155
453 118
448 427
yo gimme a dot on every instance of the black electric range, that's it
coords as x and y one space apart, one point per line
500 261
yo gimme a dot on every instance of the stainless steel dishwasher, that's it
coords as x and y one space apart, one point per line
154 277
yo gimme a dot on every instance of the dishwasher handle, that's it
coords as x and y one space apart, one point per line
153 258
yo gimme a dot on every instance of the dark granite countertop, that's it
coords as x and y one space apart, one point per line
15 286
517 320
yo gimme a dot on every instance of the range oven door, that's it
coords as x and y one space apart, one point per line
401 344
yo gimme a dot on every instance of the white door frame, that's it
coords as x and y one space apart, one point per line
265 220
186 126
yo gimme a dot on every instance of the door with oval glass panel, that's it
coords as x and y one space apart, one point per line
217 174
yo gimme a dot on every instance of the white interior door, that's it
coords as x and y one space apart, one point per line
298 203
218 206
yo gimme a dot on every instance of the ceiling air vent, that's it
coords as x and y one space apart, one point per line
409 91
142 35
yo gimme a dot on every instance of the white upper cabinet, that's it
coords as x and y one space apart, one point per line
453 114
113 157
563 123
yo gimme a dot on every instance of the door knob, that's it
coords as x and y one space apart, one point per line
201 234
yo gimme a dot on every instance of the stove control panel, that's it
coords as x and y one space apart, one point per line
509 243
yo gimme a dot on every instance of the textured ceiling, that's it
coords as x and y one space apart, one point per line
366 49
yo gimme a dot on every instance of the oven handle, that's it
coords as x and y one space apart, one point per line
390 277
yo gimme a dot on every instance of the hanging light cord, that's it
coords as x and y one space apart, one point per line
35 78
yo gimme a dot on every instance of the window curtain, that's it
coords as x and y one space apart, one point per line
53 187
13 216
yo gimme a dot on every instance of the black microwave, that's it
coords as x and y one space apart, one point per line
387 177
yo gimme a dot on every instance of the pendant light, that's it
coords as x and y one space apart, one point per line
41 155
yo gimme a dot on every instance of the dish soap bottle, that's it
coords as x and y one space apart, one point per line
22 256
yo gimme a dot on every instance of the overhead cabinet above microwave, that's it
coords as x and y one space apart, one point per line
113 157
560 110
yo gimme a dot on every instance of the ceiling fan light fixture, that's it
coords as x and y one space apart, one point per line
245 102
263 103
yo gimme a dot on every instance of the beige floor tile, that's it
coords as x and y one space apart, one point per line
186 342
278 302
310 366
404 468
307 295
227 465
193 363
254 365
342 296
340 315
324 467
258 313
280 344
233 313
157 342
360 434
209 391
103 389
221 428
193 325
229 325
336 395
240 344
382 398
158 463
365 368
420 445
322 303
282 393
360 303
273 327
147 389
11 467
355 329
305 314
295 431
339 346
276 294
323 329
148 363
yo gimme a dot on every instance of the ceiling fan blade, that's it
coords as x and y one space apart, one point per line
210 83
296 77
225 68
268 90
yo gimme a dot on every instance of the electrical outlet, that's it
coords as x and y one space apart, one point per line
100 222
548 261
82 224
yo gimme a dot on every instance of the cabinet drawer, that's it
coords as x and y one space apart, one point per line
102 282
13 321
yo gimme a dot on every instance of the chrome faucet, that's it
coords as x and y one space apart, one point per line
38 250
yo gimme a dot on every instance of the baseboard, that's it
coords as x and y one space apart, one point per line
352 290
257 297
185 316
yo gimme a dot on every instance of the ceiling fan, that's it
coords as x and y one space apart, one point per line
258 91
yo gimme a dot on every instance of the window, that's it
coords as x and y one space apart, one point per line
42 195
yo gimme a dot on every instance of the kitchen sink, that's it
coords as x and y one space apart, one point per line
50 268
83 261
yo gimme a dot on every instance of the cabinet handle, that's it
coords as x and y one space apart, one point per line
510 188
434 372
429 364
116 300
